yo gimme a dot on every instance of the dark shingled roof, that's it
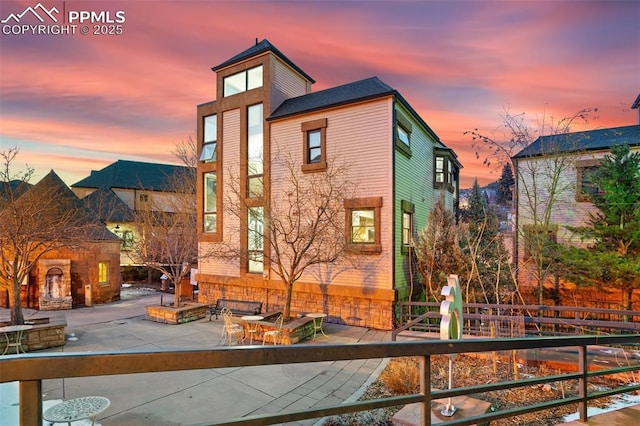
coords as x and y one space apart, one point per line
258 48
66 209
347 93
108 206
582 141
132 175
15 187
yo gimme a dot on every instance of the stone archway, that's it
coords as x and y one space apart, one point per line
54 283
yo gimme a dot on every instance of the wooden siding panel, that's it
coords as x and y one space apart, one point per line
361 135
230 147
286 84
413 183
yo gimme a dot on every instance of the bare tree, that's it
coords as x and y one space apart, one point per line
438 250
35 221
540 183
167 237
304 226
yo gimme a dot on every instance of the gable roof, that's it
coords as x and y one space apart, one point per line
16 187
257 49
132 175
636 103
589 140
64 208
369 88
108 206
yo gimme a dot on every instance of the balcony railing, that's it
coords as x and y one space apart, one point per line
31 369
537 320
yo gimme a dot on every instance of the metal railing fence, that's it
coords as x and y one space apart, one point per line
31 369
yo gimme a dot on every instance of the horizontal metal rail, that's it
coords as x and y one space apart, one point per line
574 317
31 369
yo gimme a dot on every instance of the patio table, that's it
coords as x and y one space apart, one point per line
17 331
71 410
251 319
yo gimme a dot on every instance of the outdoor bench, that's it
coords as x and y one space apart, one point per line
237 307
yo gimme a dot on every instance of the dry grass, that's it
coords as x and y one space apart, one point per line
401 376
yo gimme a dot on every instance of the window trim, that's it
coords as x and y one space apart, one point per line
580 167
306 128
406 207
372 203
209 143
205 212
450 171
246 81
103 269
259 177
403 123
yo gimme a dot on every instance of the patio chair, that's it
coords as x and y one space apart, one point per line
230 329
275 334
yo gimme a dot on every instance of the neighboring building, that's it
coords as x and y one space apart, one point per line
120 189
264 106
84 274
584 151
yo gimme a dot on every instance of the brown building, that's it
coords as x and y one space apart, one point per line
83 272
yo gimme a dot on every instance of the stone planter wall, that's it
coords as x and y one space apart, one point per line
294 331
187 312
43 335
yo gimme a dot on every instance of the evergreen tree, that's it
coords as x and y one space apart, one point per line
506 182
613 259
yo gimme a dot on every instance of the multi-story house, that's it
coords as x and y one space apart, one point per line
264 108
120 189
554 178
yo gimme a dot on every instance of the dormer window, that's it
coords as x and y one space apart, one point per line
243 81
210 138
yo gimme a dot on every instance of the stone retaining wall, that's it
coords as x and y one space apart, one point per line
43 335
169 315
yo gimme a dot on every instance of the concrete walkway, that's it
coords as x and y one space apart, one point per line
201 396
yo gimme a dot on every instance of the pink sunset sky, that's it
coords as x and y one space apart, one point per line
75 103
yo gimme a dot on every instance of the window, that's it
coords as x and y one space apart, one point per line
143 198
209 138
103 272
587 186
439 170
126 238
210 217
403 134
314 145
363 224
445 171
255 142
408 209
243 81
255 239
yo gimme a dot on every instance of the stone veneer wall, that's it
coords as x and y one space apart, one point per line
42 335
168 315
51 304
350 308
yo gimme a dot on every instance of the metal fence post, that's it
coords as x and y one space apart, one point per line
583 368
425 389
30 394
